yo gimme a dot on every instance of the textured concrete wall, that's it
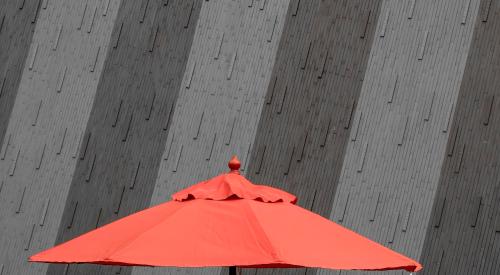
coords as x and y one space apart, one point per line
378 114
50 112
307 117
128 124
401 126
17 24
222 95
464 230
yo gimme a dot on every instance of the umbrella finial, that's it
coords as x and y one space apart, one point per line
234 164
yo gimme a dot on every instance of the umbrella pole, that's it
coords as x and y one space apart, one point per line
232 270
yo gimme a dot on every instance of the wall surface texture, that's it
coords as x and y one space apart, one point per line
379 115
221 98
307 116
401 125
464 231
49 114
17 25
129 121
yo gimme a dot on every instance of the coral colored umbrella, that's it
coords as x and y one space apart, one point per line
228 221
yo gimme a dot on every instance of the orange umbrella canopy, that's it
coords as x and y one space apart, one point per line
228 221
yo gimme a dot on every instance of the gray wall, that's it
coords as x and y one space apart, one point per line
400 128
129 121
462 237
378 114
17 24
48 117
220 101
309 107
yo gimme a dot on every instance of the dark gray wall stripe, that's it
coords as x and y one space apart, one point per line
310 102
17 25
462 237
129 122
400 128
311 99
51 109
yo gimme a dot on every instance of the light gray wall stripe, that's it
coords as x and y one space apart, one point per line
227 76
392 165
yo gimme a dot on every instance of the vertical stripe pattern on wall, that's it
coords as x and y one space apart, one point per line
394 156
380 115
221 98
462 237
17 24
310 102
52 107
129 121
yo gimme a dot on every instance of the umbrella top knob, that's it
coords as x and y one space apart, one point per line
234 164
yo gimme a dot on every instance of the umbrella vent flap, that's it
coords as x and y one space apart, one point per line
232 185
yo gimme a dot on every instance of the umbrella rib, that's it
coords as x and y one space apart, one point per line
135 237
274 252
257 226
374 243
